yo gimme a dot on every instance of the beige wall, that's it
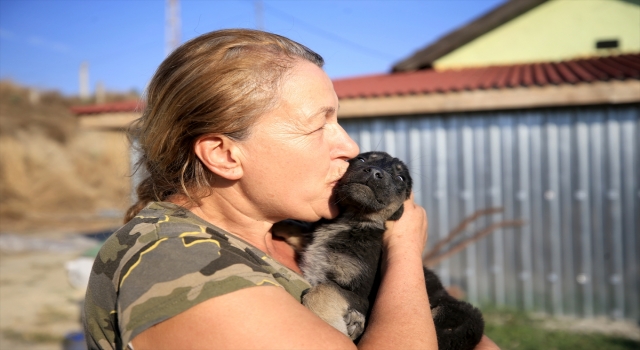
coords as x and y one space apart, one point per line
104 139
107 120
104 165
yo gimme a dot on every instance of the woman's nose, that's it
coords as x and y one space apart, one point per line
345 147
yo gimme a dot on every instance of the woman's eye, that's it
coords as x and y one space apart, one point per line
400 178
319 129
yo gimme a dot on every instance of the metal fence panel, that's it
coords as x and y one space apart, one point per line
570 173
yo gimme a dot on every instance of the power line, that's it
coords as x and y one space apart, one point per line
329 35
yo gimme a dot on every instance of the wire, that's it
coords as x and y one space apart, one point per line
328 35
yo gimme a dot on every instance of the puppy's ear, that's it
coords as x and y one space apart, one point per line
398 213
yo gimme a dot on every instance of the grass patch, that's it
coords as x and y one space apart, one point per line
517 330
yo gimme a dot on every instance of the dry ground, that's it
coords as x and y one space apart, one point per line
38 306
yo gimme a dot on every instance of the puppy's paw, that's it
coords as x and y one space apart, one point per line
338 307
354 321
297 234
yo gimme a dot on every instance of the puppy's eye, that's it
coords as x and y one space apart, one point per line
361 159
401 178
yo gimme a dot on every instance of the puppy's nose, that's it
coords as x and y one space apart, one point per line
374 172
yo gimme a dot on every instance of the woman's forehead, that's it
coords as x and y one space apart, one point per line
309 83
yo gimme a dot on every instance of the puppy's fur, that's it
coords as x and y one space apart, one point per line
340 257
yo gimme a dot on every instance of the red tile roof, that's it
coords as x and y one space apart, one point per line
112 107
495 77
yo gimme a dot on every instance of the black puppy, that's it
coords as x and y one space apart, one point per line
340 257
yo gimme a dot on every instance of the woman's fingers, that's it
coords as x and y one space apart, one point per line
410 231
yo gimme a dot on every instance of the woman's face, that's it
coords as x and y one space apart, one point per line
297 152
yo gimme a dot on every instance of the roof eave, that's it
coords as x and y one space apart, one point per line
423 59
582 94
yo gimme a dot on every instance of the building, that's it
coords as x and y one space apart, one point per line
534 108
106 124
525 31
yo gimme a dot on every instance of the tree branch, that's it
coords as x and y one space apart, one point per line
459 229
434 260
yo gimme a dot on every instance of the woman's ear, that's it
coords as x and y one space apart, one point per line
220 155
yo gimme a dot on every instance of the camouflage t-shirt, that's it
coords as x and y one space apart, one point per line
163 262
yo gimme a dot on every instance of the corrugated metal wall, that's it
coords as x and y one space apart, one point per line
573 176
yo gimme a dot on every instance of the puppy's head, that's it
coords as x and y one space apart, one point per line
375 187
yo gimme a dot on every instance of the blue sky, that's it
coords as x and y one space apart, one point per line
42 43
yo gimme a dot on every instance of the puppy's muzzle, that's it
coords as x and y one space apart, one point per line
372 176
374 172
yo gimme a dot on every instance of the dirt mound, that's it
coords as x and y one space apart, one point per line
51 171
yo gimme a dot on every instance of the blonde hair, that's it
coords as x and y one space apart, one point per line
219 82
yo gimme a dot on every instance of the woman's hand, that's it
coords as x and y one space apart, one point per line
409 233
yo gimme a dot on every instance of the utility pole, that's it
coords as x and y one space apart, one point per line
83 76
101 94
172 30
259 14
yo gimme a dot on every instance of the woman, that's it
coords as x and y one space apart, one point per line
240 131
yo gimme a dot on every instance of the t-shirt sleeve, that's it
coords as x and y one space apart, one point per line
169 275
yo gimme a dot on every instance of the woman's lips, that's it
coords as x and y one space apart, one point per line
340 173
342 170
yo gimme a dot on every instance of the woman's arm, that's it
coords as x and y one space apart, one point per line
264 317
401 316
268 317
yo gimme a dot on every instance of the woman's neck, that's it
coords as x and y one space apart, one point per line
234 219
283 253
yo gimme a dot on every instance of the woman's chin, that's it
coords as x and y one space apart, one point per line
333 212
326 208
